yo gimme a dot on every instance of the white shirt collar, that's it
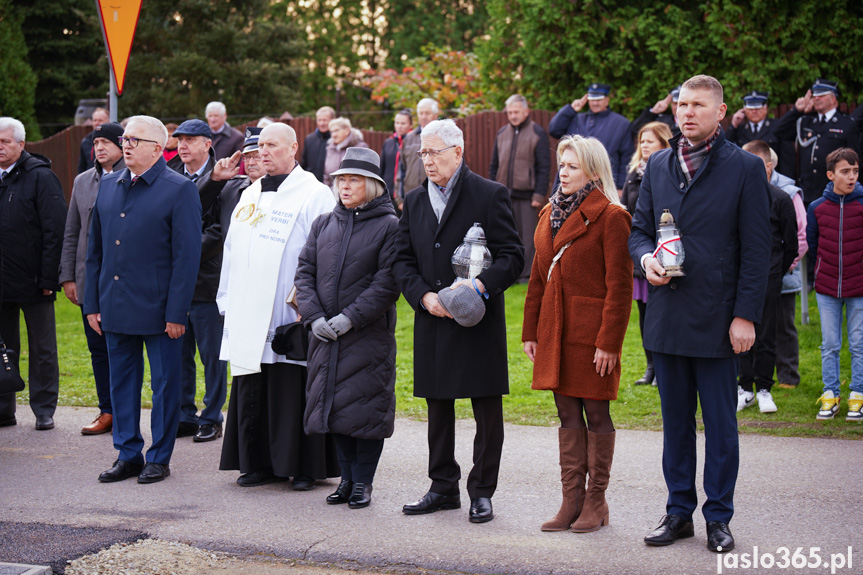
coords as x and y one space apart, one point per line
9 169
200 171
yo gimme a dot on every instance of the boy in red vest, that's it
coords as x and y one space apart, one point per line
835 234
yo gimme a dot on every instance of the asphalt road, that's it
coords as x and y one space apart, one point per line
792 493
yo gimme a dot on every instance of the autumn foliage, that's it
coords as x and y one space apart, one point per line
452 77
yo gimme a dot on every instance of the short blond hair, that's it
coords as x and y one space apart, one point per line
593 161
704 82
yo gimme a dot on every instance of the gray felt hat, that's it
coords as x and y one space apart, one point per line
361 162
464 304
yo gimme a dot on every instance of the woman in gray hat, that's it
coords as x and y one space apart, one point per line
346 295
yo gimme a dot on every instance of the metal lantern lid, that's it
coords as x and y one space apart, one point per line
475 234
666 218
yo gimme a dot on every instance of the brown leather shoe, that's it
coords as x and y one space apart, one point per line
102 424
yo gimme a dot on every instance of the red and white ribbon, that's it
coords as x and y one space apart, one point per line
664 246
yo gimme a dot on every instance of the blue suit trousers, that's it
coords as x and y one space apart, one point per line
683 381
204 329
126 358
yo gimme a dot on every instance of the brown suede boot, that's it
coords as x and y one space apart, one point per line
573 469
600 452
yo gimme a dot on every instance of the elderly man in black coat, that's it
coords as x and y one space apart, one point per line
451 361
32 220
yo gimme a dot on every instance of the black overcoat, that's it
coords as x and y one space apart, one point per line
345 267
451 361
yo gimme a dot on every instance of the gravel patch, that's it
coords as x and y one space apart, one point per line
157 557
54 545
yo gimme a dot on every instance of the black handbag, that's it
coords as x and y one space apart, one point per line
10 379
292 341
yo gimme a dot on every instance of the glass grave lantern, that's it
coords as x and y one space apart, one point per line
472 256
669 246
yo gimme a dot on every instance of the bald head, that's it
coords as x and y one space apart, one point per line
278 149
282 132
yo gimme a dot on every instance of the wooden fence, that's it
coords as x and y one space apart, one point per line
479 130
64 147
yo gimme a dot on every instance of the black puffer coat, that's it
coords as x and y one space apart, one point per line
345 267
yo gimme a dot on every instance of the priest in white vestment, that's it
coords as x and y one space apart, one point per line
264 436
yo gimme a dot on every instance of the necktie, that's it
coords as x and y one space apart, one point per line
822 119
754 127
193 177
2 175
135 179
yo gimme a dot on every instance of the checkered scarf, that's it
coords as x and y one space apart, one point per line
562 205
691 157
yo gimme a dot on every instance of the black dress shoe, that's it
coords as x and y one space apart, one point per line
303 483
120 471
44 422
719 538
671 528
208 432
361 496
480 510
432 502
154 472
8 421
648 377
186 429
341 494
260 477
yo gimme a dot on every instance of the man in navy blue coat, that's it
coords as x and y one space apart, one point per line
698 323
142 263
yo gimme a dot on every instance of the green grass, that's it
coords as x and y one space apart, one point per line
637 407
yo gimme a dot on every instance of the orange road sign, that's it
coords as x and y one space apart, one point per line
119 19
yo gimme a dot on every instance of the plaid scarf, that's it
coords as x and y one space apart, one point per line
562 205
691 157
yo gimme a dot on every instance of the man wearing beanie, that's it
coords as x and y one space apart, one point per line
108 157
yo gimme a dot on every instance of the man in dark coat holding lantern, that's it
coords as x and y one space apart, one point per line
452 361
697 324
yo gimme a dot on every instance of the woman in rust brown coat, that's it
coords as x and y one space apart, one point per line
575 317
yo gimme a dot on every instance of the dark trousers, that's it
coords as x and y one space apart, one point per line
101 370
203 328
358 457
43 370
787 345
526 218
126 356
757 364
683 381
642 314
444 471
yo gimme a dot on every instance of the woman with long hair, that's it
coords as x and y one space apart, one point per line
652 137
575 317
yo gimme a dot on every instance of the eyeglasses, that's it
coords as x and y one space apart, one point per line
133 142
252 157
433 153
